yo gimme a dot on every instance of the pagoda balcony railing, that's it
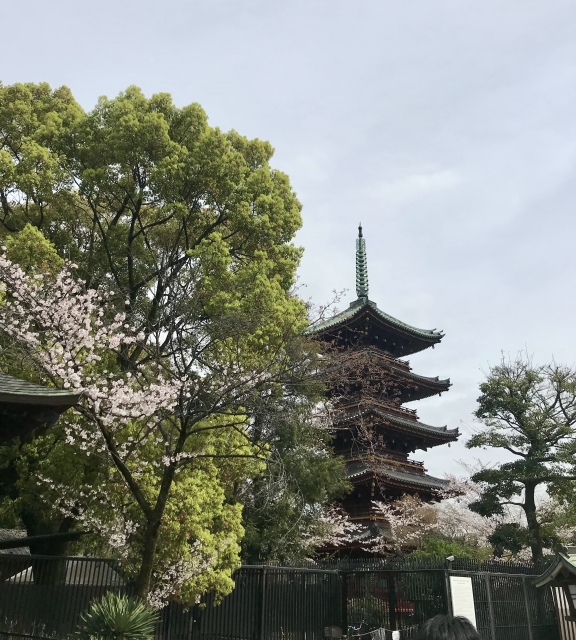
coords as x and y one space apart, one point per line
363 505
358 406
363 513
404 364
369 456
401 410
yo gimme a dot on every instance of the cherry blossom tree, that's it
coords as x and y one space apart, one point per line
172 431
334 530
410 520
455 519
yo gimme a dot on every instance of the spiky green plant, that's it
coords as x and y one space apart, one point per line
115 617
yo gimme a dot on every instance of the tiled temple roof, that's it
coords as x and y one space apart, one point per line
356 470
406 423
24 406
14 390
12 534
562 570
360 305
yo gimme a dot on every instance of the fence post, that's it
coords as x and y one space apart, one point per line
344 602
490 607
392 600
528 617
262 621
448 592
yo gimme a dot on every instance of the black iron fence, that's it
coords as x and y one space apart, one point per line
44 596
274 603
390 599
510 607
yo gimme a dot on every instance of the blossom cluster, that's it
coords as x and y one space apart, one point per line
169 579
335 530
66 331
408 521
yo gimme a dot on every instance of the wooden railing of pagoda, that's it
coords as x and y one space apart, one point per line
358 406
383 457
385 355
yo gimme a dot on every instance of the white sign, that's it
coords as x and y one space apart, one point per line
395 635
463 598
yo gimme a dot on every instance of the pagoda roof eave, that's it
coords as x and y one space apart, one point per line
439 385
359 469
403 370
16 391
411 424
361 304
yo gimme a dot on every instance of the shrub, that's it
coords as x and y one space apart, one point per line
438 547
117 617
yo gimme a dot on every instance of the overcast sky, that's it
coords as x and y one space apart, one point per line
446 126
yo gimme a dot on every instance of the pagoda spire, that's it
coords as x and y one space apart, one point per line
361 266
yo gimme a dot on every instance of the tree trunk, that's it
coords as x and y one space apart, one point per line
533 524
153 523
47 572
36 525
147 564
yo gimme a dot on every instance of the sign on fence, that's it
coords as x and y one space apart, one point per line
463 598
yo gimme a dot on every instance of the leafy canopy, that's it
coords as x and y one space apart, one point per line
187 232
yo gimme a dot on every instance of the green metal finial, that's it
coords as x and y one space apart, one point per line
361 266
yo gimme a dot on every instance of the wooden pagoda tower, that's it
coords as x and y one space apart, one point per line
374 432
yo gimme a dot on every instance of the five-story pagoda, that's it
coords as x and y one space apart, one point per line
374 431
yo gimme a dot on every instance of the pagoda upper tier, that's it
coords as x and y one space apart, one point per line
364 324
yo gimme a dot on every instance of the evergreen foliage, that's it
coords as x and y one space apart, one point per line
530 412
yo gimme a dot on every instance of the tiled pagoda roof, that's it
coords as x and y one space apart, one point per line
361 305
364 317
433 382
401 371
358 470
14 390
409 422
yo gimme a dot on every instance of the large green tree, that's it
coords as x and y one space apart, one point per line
528 411
189 231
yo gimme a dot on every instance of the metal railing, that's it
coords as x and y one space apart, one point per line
509 607
44 596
